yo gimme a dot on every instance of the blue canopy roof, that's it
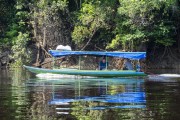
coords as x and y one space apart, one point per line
130 55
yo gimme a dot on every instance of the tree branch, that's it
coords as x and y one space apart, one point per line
88 40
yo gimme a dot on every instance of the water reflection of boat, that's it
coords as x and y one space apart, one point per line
119 92
85 81
125 97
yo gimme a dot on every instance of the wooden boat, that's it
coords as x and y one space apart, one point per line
94 73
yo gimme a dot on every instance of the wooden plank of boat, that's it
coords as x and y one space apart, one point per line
95 73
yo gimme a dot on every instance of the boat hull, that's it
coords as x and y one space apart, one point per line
94 73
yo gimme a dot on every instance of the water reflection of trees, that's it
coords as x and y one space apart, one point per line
40 109
163 101
106 114
28 102
16 97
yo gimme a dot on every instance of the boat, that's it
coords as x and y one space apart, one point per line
94 73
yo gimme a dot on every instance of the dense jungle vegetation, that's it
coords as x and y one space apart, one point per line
29 28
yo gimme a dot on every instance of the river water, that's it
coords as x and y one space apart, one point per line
24 96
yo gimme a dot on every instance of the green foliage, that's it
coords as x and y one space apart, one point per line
92 18
47 11
61 4
7 12
22 15
139 21
17 34
162 33
114 43
20 52
18 23
80 33
12 33
105 24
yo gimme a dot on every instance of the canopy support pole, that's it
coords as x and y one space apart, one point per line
138 66
106 62
79 62
53 62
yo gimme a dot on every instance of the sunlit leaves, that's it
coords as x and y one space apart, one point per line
92 17
114 43
80 33
19 6
22 15
58 5
20 52
143 20
139 12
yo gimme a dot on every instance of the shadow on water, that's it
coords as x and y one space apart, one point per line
47 97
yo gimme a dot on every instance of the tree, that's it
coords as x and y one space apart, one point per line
141 21
50 25
7 14
92 20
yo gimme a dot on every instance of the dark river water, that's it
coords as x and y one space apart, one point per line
24 96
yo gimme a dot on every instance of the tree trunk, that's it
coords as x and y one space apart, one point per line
44 37
37 56
178 40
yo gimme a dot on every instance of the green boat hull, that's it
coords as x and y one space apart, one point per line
94 73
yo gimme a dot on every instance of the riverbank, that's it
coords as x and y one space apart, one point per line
156 60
